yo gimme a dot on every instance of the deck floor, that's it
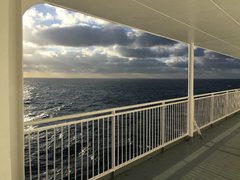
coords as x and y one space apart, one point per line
216 156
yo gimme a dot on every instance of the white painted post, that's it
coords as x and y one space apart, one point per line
191 89
226 103
212 108
162 120
113 139
11 107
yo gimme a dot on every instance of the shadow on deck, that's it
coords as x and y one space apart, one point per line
216 156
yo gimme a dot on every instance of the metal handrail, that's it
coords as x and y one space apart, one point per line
110 110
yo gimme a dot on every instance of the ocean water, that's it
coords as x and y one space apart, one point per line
44 98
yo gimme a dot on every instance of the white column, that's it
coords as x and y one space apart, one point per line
11 105
191 89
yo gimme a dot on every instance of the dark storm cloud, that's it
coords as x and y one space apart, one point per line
215 61
208 61
146 40
77 36
199 52
142 52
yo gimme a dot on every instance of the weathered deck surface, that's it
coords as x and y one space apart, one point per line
215 157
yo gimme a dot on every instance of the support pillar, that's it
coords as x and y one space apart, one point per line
191 89
11 101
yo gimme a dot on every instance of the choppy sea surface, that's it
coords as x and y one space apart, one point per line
44 98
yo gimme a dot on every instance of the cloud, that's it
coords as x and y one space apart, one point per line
97 63
70 18
142 52
145 40
77 36
198 52
214 61
61 41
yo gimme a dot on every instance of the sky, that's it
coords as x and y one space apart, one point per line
59 43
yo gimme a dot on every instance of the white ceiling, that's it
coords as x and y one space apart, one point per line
211 24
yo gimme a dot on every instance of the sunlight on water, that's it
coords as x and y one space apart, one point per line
29 128
46 98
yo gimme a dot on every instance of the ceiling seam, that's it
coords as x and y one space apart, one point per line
163 14
225 12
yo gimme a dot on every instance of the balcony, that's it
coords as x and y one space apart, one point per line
101 143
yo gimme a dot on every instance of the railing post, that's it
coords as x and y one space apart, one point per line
236 95
162 121
226 105
212 108
238 99
191 89
113 139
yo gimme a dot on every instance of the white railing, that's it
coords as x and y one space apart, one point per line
90 145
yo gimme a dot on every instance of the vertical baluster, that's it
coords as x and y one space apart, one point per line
29 156
146 117
82 151
122 137
163 123
46 154
171 122
159 125
61 152
103 144
155 118
141 131
144 131
183 122
126 153
167 123
38 145
69 152
108 143
129 137
133 134
174 120
118 144
137 133
113 139
75 151
151 118
212 108
98 148
177 120
226 103
93 149
179 117
54 154
149 129
87 150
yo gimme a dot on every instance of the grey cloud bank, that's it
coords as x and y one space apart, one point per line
113 48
